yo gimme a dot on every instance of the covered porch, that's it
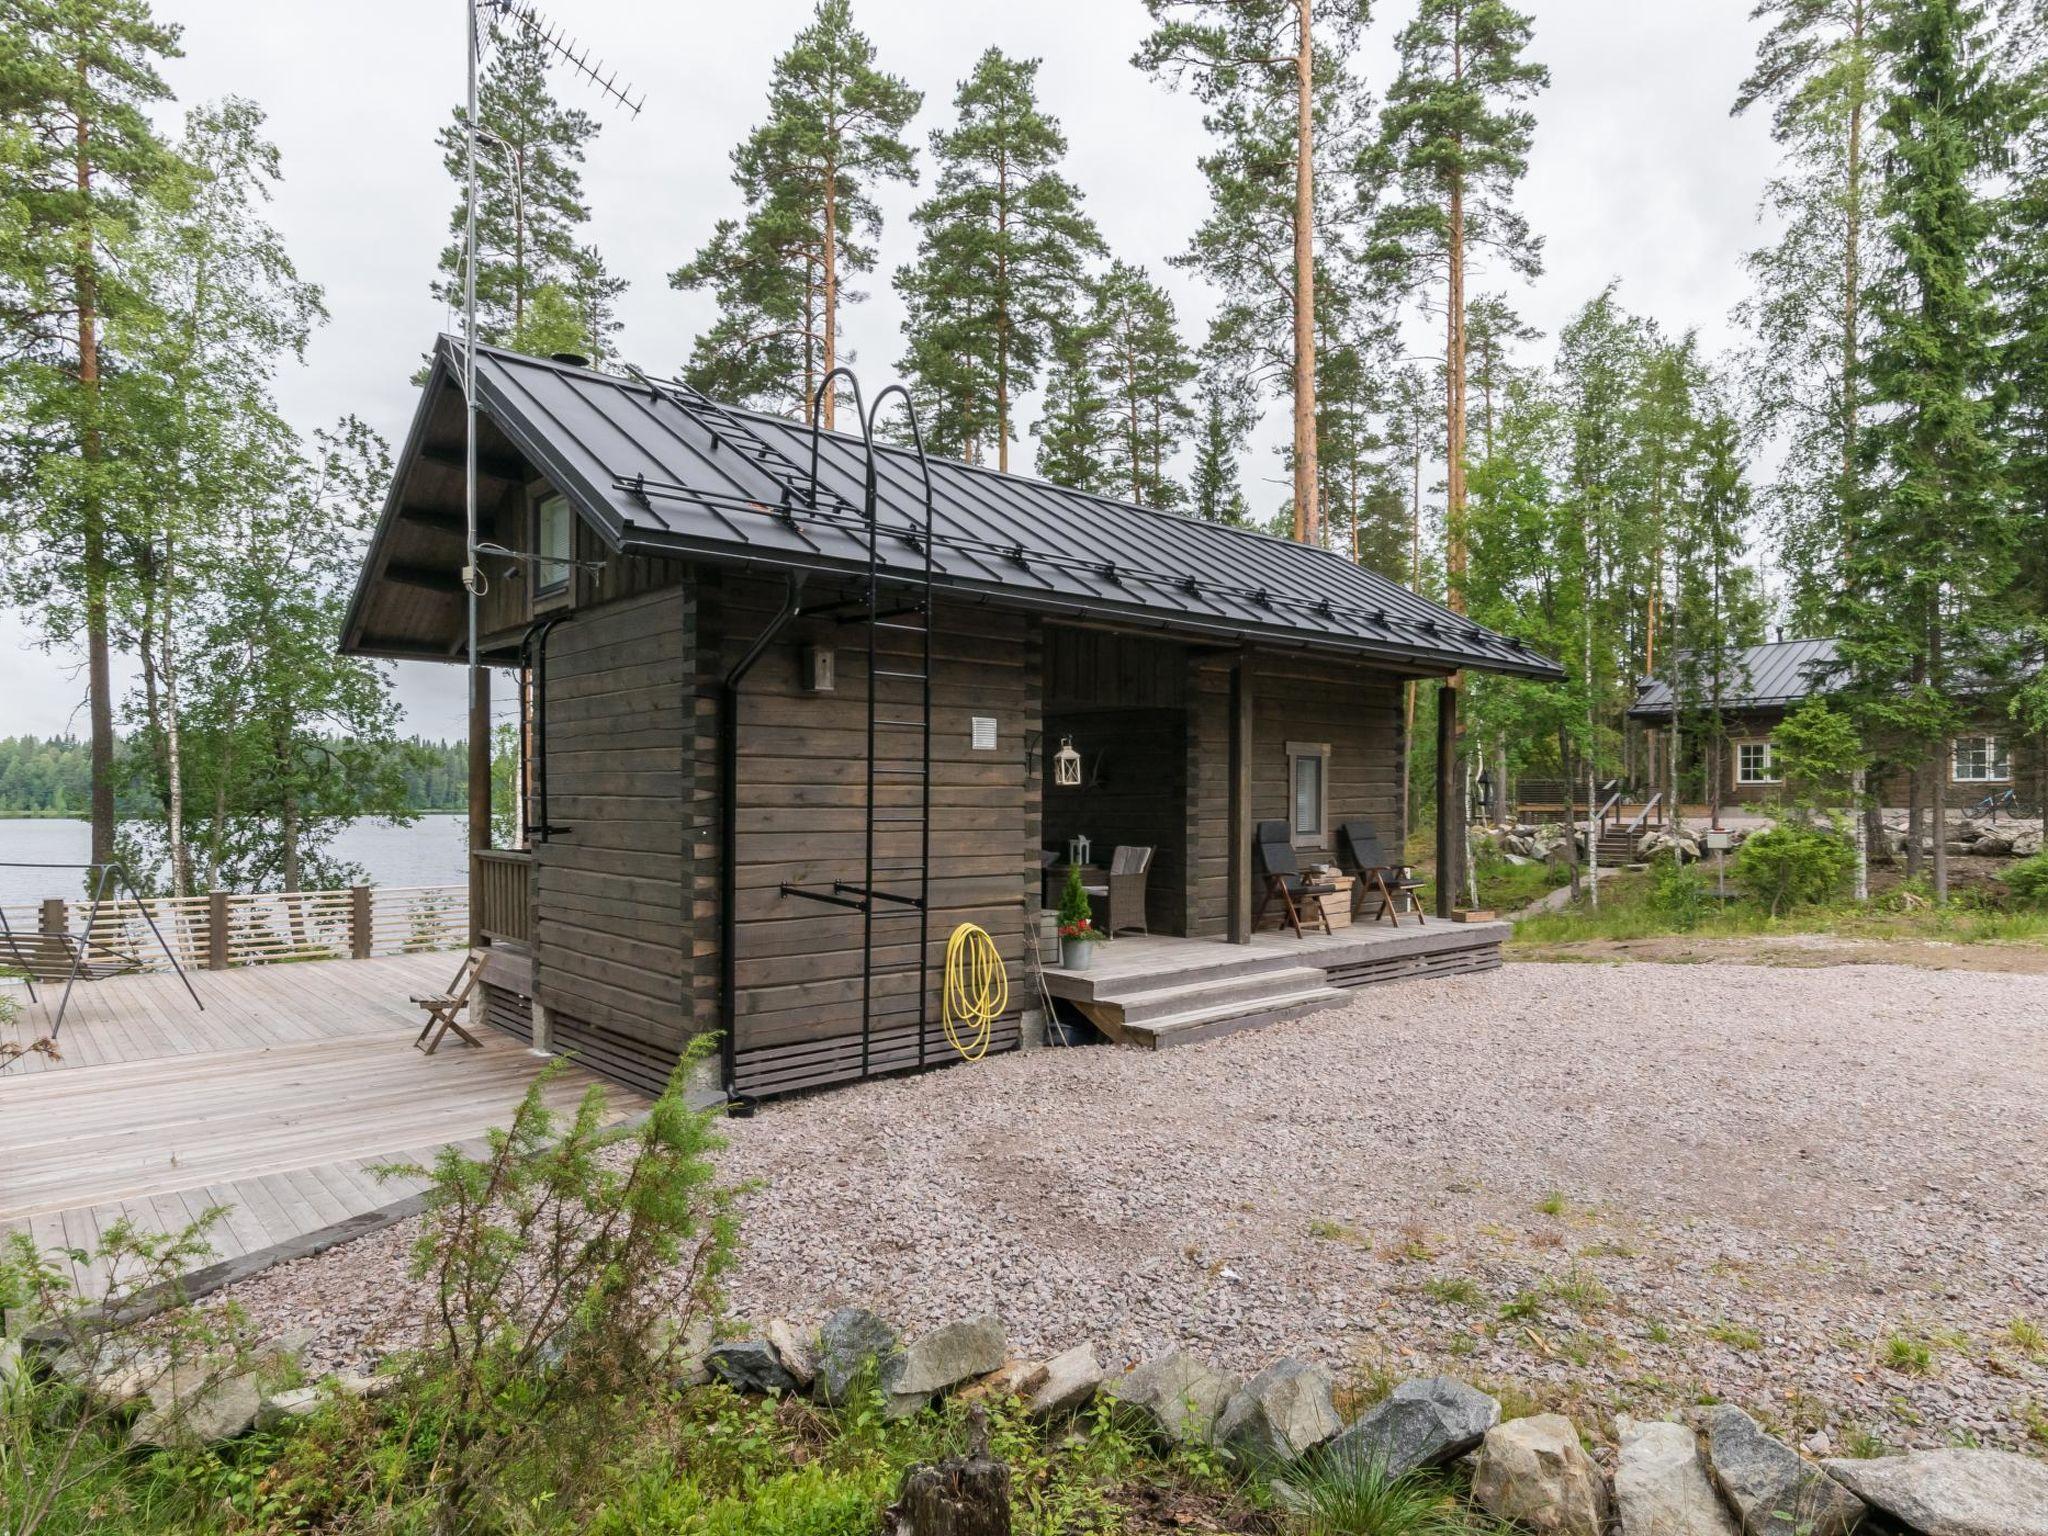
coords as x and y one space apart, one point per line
1155 992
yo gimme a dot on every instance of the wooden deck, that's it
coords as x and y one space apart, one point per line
277 1101
1156 992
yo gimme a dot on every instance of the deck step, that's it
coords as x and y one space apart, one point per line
1200 1024
1111 977
1217 992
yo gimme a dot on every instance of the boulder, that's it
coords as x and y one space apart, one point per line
1071 1379
947 1356
750 1365
1534 1472
1954 1492
796 1350
1280 1415
1178 1395
10 1362
1422 1423
686 1346
281 1408
111 1377
1773 1491
1992 845
1661 1487
852 1340
199 1403
2026 842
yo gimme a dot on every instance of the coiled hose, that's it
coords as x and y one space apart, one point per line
977 990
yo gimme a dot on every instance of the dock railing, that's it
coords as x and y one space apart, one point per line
221 929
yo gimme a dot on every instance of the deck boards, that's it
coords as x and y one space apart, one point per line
279 1102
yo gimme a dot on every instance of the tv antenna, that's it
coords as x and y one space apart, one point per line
565 50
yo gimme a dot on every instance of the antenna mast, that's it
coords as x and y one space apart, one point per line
566 50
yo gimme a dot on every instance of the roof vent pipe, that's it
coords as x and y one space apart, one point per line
570 359
1781 634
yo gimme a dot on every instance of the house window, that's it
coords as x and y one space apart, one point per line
1308 783
554 543
1981 760
1756 762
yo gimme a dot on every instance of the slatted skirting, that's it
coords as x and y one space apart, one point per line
1442 962
776 1069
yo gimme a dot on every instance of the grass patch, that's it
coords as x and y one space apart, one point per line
2026 1337
1455 1291
1736 1336
1337 1232
1553 1204
1903 1352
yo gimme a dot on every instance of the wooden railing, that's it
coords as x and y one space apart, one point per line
222 929
503 879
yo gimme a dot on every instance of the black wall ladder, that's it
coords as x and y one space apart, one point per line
892 887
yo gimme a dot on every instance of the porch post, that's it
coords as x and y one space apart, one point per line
1240 817
479 787
1447 799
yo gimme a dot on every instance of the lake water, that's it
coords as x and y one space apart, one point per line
429 852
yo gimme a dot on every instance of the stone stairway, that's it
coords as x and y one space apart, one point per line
1141 1007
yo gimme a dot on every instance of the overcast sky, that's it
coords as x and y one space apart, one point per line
1638 174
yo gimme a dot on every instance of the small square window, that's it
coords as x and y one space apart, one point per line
1308 783
1981 760
554 542
1756 762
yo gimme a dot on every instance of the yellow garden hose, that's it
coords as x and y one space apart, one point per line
977 990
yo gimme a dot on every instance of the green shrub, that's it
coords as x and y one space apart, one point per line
1794 864
2028 880
1678 890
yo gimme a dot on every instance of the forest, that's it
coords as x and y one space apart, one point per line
1603 493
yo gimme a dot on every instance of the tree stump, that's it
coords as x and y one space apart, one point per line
960 1496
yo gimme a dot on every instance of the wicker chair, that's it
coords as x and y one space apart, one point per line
1123 897
1280 874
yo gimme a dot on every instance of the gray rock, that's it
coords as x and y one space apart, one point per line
751 1365
294 1403
797 1350
1954 1493
1773 1491
853 1340
112 1377
1280 1415
1422 1423
947 1356
196 1404
1178 1395
1071 1379
1534 1472
1661 1487
10 1362
685 1345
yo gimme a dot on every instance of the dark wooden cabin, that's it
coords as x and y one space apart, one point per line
680 595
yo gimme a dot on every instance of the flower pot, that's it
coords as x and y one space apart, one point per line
1077 954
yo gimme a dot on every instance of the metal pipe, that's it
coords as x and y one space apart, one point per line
729 828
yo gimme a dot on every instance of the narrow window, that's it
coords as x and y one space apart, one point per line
1981 760
1756 762
554 542
1308 779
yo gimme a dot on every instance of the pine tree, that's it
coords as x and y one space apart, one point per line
530 210
1929 556
1458 134
1075 428
1818 69
1492 331
1003 245
1273 74
77 159
834 130
1144 370
1213 488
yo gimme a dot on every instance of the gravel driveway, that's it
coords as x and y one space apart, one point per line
1820 1193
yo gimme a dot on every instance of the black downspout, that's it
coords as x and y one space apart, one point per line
728 828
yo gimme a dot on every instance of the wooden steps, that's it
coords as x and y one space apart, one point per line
1216 997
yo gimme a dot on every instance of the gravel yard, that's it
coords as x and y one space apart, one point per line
1819 1193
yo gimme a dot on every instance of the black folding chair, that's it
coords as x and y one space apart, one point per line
1360 856
1280 874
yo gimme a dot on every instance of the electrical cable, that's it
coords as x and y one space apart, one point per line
977 990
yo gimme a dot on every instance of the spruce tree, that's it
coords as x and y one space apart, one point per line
1003 242
1144 369
1076 430
1215 494
530 210
1458 135
78 159
1818 70
807 174
1274 77
1929 557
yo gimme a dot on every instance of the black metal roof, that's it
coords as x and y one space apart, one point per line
1776 675
659 470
